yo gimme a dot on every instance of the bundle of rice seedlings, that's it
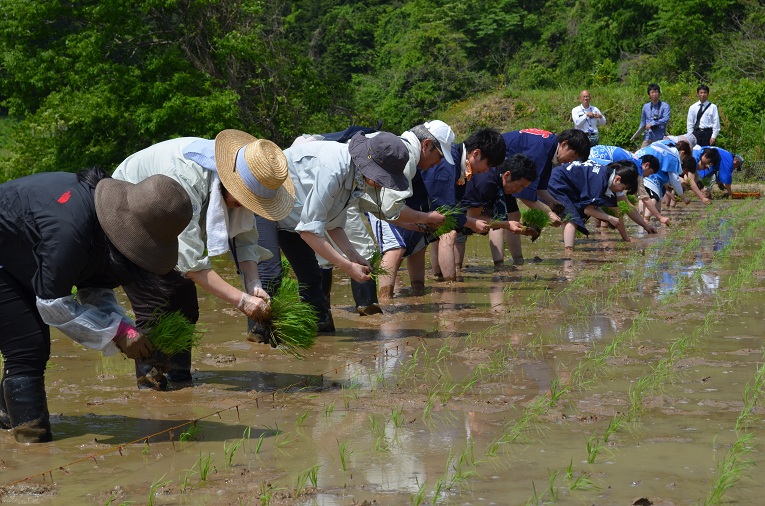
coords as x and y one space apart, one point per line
632 198
286 267
293 326
374 263
624 207
173 333
535 219
450 213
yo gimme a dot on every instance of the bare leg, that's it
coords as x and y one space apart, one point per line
514 240
446 260
391 261
569 235
415 264
459 257
497 246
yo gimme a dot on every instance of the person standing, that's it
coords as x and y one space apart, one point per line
59 231
587 118
654 117
703 119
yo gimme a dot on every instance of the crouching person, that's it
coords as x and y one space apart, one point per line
584 186
86 230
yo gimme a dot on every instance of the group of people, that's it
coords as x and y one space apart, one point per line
333 200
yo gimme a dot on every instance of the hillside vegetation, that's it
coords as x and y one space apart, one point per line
90 81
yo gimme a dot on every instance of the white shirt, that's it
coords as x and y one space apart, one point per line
585 123
709 119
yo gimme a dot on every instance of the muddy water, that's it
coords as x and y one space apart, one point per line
487 391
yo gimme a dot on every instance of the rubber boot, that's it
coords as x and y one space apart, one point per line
5 420
326 323
326 284
365 295
179 375
149 374
27 408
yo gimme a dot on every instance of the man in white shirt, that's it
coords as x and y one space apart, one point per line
703 119
587 118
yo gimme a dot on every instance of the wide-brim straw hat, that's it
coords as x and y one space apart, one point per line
267 189
143 220
382 158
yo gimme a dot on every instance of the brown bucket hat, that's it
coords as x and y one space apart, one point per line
257 176
382 158
143 220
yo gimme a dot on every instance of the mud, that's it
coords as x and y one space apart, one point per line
501 389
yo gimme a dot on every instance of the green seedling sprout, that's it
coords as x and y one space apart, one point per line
376 269
535 219
450 223
173 333
293 325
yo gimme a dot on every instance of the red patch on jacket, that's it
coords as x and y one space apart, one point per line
63 199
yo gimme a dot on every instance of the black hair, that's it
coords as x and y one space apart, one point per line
702 87
121 270
713 155
576 140
520 167
490 142
653 162
628 174
689 165
653 86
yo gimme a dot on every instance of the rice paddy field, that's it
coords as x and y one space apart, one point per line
628 373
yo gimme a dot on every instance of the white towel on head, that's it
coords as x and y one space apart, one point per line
224 223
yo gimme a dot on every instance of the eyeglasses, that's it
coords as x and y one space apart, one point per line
436 146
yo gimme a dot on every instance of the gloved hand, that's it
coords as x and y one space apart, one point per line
132 343
254 307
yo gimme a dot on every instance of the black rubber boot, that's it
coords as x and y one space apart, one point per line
27 408
5 420
180 370
365 296
326 283
150 372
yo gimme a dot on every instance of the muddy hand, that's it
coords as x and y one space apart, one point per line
133 344
254 307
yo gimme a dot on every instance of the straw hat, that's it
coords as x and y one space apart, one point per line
143 220
257 176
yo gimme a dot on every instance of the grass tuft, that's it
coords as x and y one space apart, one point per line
173 333
293 322
450 213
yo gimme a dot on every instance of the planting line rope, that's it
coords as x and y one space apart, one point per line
171 430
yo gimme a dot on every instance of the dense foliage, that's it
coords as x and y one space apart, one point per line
88 82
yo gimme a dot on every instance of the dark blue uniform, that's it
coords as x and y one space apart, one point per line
578 185
540 146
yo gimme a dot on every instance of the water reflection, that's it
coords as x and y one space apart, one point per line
594 328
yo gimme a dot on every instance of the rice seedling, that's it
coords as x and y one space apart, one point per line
156 484
552 490
376 269
173 333
397 417
535 219
594 446
230 449
309 475
259 444
450 223
345 454
613 426
419 497
203 464
293 325
192 433
731 469
286 267
301 419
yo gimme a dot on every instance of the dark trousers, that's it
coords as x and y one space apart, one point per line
24 337
703 137
181 296
301 258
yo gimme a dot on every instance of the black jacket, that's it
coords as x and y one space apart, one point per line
50 238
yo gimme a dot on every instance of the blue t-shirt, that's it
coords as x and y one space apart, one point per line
723 173
540 146
607 154
669 161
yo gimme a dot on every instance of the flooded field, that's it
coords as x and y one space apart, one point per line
630 373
